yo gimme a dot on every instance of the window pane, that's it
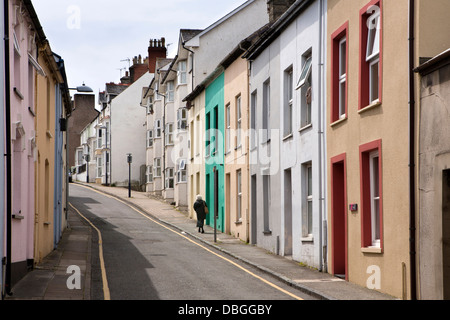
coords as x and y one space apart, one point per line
376 188
374 93
342 57
305 72
373 38
309 173
342 86
377 220
310 217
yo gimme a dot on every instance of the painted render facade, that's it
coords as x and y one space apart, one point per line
287 148
231 29
434 178
22 53
127 124
369 137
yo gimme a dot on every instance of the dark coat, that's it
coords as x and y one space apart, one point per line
199 207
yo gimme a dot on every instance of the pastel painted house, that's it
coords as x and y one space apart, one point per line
205 101
287 147
52 106
372 145
24 35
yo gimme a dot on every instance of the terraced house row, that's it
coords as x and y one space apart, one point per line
35 106
316 129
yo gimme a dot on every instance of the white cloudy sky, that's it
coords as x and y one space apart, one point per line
93 36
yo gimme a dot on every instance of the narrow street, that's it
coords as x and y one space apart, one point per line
144 259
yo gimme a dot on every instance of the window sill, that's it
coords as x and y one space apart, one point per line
238 147
305 127
49 134
308 238
371 106
287 137
371 250
238 222
267 232
18 93
338 122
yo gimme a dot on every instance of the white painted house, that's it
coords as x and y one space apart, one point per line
128 134
287 157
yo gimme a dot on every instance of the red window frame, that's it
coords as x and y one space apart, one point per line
364 72
366 210
336 37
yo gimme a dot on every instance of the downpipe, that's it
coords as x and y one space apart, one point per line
412 166
8 278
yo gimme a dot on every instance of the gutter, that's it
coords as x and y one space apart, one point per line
412 166
8 199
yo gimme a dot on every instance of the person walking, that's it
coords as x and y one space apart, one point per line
201 208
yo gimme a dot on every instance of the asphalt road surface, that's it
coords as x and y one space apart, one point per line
144 260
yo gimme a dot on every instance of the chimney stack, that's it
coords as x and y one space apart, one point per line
157 49
276 8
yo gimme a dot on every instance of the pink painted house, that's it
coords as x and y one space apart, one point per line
25 33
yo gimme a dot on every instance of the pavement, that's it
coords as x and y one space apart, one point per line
49 280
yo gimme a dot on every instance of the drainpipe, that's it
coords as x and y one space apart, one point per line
8 153
322 243
412 166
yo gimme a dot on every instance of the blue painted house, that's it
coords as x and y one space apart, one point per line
214 151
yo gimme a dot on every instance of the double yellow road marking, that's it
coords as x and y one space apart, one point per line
102 264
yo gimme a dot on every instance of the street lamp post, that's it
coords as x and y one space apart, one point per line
87 158
130 161
107 153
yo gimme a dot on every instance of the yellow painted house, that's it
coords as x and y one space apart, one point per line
49 219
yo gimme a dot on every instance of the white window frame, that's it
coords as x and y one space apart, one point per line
306 71
342 76
170 91
149 174
253 108
99 166
99 138
239 195
181 171
238 121
169 134
169 179
150 105
150 138
157 168
266 111
182 73
182 119
375 198
373 54
289 99
307 219
157 128
228 128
